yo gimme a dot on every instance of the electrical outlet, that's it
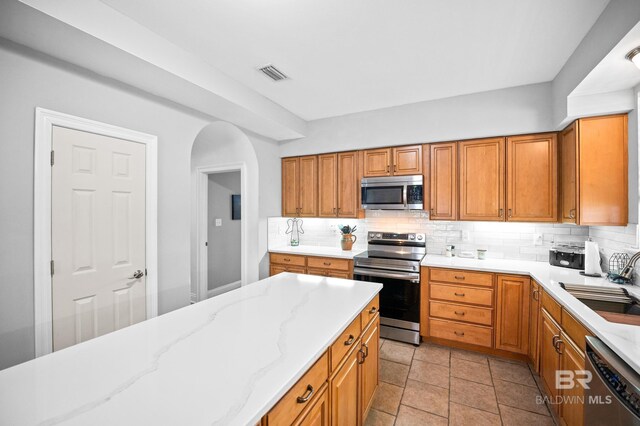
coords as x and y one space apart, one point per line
218 222
537 239
465 236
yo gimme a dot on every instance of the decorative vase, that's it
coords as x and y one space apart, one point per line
347 241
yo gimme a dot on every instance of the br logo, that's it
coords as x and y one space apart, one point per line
567 379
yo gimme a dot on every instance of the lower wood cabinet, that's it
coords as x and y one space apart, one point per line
549 357
512 313
345 407
534 325
338 389
312 265
370 365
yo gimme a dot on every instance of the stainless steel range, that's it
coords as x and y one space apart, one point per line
394 260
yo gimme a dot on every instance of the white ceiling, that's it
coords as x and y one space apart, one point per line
614 72
358 55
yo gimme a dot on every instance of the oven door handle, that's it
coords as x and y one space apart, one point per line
414 278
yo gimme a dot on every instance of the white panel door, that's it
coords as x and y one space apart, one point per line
98 235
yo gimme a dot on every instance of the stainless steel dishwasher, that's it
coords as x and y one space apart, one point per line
613 396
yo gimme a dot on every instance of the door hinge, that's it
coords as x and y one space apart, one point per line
52 269
52 157
145 272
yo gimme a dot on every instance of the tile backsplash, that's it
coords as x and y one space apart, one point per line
525 241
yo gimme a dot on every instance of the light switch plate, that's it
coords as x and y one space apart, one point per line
218 222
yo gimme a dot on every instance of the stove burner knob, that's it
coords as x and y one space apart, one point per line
378 235
419 237
412 237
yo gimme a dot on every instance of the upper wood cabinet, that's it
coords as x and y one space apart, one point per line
400 161
594 179
300 186
532 178
348 185
481 179
377 162
328 185
443 178
338 185
512 316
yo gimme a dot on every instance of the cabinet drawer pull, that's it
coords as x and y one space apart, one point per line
557 345
326 263
361 352
500 212
459 333
373 310
459 294
395 168
350 340
366 352
510 213
572 214
458 313
286 259
302 399
457 277
387 169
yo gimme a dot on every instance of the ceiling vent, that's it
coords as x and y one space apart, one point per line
273 73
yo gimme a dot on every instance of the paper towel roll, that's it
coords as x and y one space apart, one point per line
592 258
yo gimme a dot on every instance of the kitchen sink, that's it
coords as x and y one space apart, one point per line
613 304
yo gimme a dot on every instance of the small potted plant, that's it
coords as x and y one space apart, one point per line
347 236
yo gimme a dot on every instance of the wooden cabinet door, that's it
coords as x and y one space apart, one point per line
318 413
407 160
572 359
568 174
443 181
534 321
370 366
377 162
327 185
532 178
348 186
481 179
308 198
603 178
549 357
345 388
512 316
290 186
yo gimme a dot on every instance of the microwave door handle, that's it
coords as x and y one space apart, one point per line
404 195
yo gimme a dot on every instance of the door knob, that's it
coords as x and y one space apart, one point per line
137 275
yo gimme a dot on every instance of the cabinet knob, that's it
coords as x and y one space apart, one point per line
350 340
373 310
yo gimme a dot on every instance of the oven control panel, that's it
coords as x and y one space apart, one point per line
390 236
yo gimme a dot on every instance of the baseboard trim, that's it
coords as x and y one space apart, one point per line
223 289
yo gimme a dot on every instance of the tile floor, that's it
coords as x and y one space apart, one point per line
436 385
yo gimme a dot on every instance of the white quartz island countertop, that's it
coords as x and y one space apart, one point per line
223 361
336 252
621 338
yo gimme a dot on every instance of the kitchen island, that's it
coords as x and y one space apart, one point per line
224 361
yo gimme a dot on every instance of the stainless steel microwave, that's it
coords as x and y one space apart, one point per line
392 193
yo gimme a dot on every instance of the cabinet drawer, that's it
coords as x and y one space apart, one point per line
289 407
343 344
575 330
288 259
482 316
330 273
461 277
552 307
456 293
460 332
276 269
328 263
370 311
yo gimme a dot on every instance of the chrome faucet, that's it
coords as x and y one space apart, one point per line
627 271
